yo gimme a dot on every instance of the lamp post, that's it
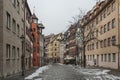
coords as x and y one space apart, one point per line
41 26
118 46
22 38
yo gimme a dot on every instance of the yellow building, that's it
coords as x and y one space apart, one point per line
104 18
54 49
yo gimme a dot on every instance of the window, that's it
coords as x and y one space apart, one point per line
22 4
104 13
97 20
55 49
18 53
96 33
101 30
113 6
88 47
22 24
93 57
104 42
55 44
105 57
101 43
7 51
96 45
13 52
101 57
108 26
114 57
8 20
18 6
113 40
105 28
18 30
93 46
109 57
90 57
108 10
101 17
113 23
55 54
13 25
14 3
109 40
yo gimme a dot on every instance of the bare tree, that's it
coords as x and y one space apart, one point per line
86 35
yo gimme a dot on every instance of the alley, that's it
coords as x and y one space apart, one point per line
71 72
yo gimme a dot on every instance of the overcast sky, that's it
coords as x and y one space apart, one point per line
56 14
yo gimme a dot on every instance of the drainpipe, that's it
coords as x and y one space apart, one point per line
118 36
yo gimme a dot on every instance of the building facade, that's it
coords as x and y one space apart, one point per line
28 39
36 55
71 48
38 41
46 43
104 18
41 48
54 49
11 22
62 47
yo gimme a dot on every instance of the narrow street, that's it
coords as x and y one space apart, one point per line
70 72
62 72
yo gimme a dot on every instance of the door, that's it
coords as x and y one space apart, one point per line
97 60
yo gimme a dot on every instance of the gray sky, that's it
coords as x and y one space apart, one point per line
56 14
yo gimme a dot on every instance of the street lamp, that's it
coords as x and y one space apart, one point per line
22 38
41 26
117 45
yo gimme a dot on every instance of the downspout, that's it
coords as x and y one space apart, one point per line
118 36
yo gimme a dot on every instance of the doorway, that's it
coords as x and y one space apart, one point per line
97 60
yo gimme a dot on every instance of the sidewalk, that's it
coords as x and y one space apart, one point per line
18 75
114 72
